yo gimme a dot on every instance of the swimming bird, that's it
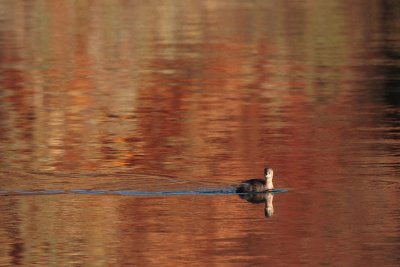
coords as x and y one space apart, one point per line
258 185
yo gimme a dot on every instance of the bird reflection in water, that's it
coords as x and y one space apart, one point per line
257 198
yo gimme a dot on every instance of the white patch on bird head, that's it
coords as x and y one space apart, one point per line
268 172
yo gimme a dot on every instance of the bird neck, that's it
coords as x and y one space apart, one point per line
268 183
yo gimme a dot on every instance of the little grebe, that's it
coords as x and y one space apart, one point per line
257 185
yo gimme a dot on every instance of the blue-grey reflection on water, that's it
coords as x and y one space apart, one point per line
200 191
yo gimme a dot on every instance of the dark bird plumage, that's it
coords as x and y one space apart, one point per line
252 185
257 185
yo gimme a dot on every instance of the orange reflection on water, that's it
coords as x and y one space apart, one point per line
210 92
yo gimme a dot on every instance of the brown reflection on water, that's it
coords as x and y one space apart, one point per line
210 92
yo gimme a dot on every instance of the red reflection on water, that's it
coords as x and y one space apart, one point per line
211 95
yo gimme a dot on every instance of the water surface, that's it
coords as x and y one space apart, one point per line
194 97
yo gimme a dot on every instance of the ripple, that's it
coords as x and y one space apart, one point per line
205 191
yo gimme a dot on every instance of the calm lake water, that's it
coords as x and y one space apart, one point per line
124 125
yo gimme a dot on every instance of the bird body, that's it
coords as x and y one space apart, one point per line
257 185
252 185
